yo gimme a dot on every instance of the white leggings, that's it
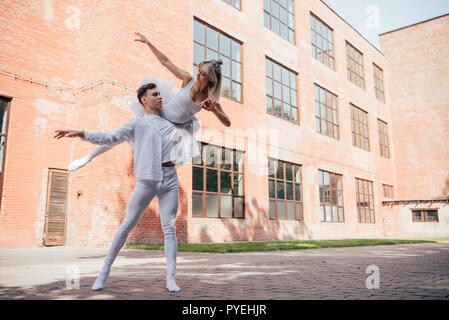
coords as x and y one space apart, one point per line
167 191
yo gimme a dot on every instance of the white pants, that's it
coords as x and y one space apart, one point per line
167 191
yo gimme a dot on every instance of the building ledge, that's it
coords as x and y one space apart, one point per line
415 201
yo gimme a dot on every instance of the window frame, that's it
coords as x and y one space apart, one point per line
203 165
278 18
424 215
291 89
5 145
362 125
379 92
352 60
332 189
314 33
230 3
358 193
299 216
383 137
231 58
335 125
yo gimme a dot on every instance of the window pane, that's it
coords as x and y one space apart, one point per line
289 191
281 210
236 91
269 105
236 51
225 45
272 167
236 71
278 108
280 170
226 88
268 68
290 210
211 205
297 192
286 94
328 213
198 53
289 171
277 71
226 206
212 38
277 90
334 214
197 179
226 67
198 31
295 115
211 180
197 204
272 209
266 20
238 164
283 31
322 213
225 181
274 9
280 190
299 212
210 54
212 156
287 112
226 159
238 184
238 208
269 86
271 189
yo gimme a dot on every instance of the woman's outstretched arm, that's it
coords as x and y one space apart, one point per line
165 61
77 164
215 107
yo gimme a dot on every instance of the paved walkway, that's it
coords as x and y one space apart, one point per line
411 271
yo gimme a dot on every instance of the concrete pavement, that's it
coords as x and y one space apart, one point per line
409 271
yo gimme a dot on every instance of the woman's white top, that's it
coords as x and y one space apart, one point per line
181 108
154 140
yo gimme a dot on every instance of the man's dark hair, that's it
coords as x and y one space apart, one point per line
141 91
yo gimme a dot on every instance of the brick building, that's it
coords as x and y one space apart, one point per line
314 136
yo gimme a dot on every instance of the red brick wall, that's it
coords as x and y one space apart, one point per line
417 60
48 46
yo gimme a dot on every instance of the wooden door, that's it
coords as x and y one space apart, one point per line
56 208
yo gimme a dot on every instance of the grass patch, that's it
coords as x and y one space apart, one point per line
283 245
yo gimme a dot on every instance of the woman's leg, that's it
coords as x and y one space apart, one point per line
77 164
141 197
168 208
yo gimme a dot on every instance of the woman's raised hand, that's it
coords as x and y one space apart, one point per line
69 134
209 105
142 38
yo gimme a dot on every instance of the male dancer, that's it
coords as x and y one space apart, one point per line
154 176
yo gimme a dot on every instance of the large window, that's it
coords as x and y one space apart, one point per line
209 43
365 201
4 106
278 16
284 189
383 139
322 42
326 115
235 3
331 197
359 127
379 82
217 183
354 61
281 91
425 215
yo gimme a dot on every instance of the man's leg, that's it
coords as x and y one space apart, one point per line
143 193
168 208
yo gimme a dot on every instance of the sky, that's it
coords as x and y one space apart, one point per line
372 17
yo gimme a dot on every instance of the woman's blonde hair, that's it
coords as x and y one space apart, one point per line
213 68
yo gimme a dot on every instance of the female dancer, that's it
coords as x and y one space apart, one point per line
178 107
155 173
